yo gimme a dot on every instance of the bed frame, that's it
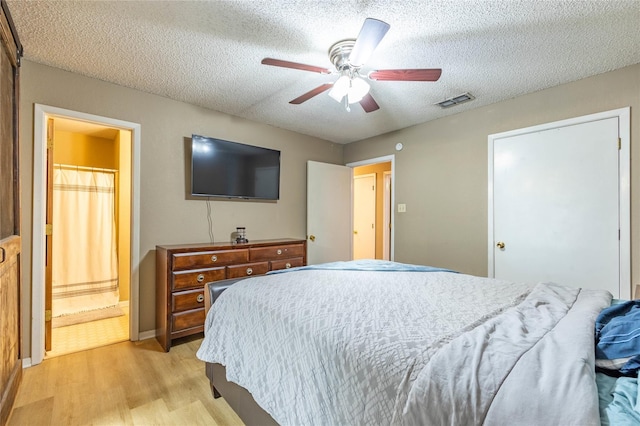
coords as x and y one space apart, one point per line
238 398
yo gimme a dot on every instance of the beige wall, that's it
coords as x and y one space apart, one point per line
167 216
83 150
441 174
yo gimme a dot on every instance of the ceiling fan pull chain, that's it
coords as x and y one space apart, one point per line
346 103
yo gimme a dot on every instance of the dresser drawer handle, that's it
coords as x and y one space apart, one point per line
200 298
279 251
214 258
200 278
287 265
249 271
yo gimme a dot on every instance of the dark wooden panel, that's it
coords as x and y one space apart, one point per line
188 319
163 331
247 270
196 278
209 259
9 322
287 263
10 241
186 300
7 154
276 252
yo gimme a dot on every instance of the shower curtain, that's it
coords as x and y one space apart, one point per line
85 263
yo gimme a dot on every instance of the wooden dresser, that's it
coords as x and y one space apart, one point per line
183 270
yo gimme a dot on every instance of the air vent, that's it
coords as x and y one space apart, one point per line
456 100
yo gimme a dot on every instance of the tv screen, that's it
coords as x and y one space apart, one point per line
227 169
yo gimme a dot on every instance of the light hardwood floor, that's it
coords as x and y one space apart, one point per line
129 383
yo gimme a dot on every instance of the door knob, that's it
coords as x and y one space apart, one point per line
312 237
500 245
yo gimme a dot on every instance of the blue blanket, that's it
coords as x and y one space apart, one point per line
366 265
619 405
618 335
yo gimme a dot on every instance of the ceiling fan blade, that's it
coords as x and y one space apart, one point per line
311 93
294 65
427 74
368 103
372 32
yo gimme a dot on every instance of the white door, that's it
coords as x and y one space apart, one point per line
328 212
364 216
556 206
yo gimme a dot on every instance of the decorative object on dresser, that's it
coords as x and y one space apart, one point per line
183 270
239 236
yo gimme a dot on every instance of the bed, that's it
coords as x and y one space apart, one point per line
377 342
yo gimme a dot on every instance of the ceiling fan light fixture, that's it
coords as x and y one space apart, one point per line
359 88
340 88
354 88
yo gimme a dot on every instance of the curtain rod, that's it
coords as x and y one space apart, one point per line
85 168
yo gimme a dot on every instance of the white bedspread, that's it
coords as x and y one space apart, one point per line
359 347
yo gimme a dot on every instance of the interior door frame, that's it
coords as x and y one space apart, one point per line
386 215
624 189
385 159
41 114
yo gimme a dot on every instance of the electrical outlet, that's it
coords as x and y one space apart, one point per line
402 208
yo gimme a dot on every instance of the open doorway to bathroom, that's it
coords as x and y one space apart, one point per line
372 216
87 272
129 264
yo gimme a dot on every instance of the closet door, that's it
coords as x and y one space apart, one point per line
557 197
10 362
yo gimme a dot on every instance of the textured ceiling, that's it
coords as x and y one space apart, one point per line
208 53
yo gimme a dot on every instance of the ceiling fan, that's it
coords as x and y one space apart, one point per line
348 57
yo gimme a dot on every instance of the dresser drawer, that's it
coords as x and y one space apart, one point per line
196 278
287 263
248 269
276 252
208 259
185 300
187 319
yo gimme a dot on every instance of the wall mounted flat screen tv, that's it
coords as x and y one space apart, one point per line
228 169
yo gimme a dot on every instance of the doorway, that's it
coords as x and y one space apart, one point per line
84 131
330 210
88 196
376 212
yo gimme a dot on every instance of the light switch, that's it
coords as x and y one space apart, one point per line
402 208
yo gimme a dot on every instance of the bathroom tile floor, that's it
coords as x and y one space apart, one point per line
89 335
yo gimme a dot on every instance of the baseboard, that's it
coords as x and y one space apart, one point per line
26 362
144 335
